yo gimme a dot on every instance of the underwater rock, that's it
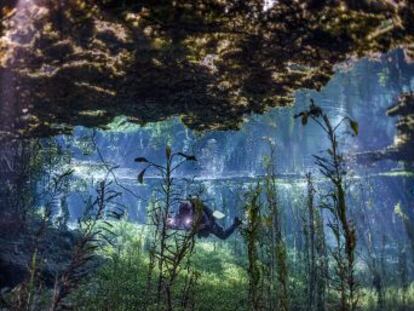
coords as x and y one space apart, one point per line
68 63
403 147
54 252
404 109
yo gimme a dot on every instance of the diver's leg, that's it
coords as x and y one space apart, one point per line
222 234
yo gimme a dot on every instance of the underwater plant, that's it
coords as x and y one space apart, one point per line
267 257
278 251
333 168
94 230
171 250
47 284
251 234
85 85
316 262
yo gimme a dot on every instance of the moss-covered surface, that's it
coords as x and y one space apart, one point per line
403 147
76 62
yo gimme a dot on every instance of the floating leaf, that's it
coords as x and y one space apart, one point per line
141 176
108 224
141 159
188 157
116 215
304 118
315 110
354 126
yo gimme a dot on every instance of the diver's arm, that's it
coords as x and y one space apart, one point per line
208 211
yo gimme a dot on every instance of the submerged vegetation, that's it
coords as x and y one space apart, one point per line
333 168
311 254
301 209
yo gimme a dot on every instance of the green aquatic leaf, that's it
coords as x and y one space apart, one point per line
354 126
141 176
141 159
304 118
187 157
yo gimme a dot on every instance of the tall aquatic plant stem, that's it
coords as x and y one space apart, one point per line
332 167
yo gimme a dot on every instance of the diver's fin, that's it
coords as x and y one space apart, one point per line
218 215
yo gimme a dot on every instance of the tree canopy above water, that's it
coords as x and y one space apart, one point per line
75 62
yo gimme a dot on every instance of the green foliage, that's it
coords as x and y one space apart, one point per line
267 253
384 77
171 250
252 234
277 267
332 167
120 284
407 217
223 282
395 299
316 273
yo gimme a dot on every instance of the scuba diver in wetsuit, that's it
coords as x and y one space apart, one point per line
193 214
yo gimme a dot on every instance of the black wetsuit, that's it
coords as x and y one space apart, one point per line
207 223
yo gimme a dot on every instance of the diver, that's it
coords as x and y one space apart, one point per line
194 215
